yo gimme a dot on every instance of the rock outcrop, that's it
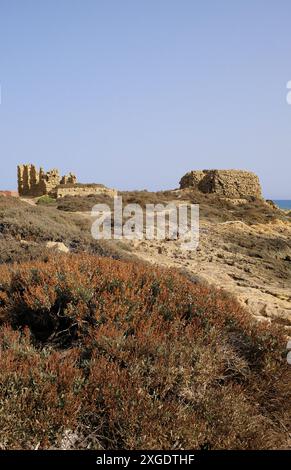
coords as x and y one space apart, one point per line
227 183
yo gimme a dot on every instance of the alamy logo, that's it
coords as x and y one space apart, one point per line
155 222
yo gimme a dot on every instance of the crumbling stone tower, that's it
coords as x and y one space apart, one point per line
225 183
69 179
35 183
30 181
50 180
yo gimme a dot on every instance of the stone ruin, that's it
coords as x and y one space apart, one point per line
233 184
225 183
36 183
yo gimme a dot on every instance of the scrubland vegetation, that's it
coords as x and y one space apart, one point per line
124 356
119 355
25 229
211 207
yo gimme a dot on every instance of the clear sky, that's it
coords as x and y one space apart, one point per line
134 93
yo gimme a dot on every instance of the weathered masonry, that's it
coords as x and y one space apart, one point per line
227 183
35 183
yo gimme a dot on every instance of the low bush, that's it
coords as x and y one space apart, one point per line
46 200
129 357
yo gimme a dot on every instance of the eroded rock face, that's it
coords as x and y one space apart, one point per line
227 183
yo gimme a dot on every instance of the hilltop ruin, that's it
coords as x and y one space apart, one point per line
35 183
227 183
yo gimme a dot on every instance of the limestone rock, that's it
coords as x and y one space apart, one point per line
58 246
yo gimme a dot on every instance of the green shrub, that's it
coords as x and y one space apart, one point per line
46 200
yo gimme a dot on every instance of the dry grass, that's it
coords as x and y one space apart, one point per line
25 229
212 207
129 357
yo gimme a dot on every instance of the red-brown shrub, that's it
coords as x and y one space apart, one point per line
134 357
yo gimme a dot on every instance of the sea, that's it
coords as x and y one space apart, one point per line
283 203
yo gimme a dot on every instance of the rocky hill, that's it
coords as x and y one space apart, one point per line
173 349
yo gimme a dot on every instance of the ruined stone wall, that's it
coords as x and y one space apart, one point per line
227 183
50 181
79 190
192 179
35 183
29 181
69 179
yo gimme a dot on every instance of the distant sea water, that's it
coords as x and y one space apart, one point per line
283 203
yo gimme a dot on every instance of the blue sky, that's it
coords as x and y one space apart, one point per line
134 93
